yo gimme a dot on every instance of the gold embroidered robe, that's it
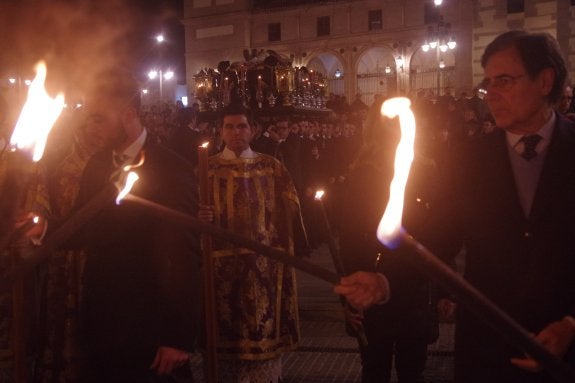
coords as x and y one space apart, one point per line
256 302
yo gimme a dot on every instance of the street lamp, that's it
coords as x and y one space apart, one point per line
439 37
167 75
439 40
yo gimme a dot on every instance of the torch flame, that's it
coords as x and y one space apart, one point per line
389 229
319 195
38 115
131 179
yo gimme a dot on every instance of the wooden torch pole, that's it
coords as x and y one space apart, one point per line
210 361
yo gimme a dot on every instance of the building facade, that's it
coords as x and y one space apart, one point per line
369 46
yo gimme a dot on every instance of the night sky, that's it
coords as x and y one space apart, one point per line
79 38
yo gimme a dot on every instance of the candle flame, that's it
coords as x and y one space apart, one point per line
205 144
389 229
38 115
36 219
319 195
131 179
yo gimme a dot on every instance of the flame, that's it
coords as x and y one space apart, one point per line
319 195
38 115
131 179
389 230
127 168
205 144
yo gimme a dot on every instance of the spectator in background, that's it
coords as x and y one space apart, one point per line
565 104
397 332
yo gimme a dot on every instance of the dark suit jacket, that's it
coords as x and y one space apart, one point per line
525 265
141 279
410 314
289 154
185 141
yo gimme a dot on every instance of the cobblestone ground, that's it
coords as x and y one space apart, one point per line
326 354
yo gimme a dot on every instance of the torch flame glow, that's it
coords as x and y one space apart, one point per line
131 179
319 195
389 229
38 115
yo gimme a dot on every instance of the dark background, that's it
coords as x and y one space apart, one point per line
80 38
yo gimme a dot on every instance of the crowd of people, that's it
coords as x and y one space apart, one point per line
121 299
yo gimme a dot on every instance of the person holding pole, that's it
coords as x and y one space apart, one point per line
399 331
256 309
509 198
141 293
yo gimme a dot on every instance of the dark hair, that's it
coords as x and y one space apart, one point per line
538 51
118 86
235 109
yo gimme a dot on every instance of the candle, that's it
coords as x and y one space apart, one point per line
332 245
391 234
203 173
260 82
339 266
208 270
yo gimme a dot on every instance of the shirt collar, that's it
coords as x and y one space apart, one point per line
545 132
227 154
135 147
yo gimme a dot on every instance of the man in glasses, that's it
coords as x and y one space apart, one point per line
509 199
564 104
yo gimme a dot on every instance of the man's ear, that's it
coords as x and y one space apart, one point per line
130 118
129 114
546 80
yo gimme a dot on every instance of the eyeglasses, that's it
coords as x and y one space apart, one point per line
503 82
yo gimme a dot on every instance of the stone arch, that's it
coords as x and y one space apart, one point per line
372 77
328 63
426 74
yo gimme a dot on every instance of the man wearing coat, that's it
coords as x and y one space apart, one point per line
509 198
140 303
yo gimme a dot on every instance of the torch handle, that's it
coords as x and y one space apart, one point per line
175 216
210 365
477 302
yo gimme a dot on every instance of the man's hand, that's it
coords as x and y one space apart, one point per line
446 310
167 359
556 338
32 227
364 289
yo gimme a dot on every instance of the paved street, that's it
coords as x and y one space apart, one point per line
326 353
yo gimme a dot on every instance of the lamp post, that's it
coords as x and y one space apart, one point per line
439 40
167 75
